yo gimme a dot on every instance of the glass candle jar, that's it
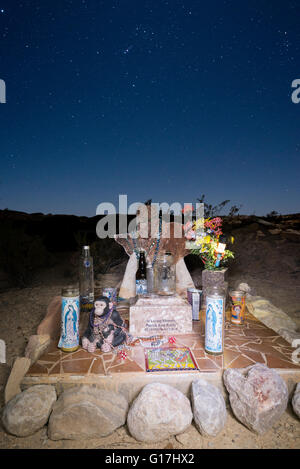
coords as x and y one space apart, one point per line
165 275
70 310
215 320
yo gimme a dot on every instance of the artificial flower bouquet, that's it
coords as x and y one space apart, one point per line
203 237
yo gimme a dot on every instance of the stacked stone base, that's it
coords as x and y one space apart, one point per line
258 397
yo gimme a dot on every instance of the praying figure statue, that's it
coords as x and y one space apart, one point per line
106 328
154 236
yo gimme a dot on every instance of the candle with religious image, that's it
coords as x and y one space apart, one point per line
214 321
70 310
238 300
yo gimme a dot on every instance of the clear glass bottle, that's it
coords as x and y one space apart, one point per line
215 320
165 275
149 276
86 278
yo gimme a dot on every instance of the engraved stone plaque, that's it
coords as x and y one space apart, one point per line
160 315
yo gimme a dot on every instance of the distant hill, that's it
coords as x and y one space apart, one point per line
60 233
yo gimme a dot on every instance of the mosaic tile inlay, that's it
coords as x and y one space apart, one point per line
245 345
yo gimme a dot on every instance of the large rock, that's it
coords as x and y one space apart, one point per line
29 411
258 396
296 401
208 407
158 412
86 412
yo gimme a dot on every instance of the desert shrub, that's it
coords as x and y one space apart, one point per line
272 214
21 255
211 211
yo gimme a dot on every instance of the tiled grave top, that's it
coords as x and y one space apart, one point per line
245 345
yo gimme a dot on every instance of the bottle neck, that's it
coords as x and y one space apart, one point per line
86 251
142 260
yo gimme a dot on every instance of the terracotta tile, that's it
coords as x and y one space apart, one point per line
241 361
235 327
237 341
76 366
229 357
96 354
107 357
199 353
81 353
37 369
197 326
47 357
97 367
284 350
126 366
215 358
263 333
56 370
276 362
206 364
263 347
255 356
282 342
48 365
191 342
284 354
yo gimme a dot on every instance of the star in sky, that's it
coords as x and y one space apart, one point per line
169 81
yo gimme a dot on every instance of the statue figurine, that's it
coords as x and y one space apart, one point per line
106 328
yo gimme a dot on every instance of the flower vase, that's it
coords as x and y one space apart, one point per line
211 278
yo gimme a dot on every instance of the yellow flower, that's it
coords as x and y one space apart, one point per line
199 223
199 241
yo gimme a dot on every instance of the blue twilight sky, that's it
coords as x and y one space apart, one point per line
150 98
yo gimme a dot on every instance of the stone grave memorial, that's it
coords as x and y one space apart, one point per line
105 389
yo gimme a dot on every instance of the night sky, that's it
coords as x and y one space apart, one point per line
156 99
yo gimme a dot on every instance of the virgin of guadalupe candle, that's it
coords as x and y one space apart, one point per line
214 322
70 309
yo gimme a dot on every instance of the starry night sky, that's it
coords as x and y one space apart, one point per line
155 99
